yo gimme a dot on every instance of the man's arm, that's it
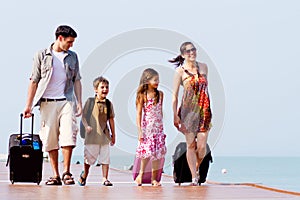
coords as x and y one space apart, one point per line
78 94
31 92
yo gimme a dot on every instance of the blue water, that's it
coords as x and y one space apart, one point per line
276 172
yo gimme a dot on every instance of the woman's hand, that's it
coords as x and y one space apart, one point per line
180 126
176 122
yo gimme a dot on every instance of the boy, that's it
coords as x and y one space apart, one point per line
97 111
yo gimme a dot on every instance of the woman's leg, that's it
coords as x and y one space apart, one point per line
191 153
201 147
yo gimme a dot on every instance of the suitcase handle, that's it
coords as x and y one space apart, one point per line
21 128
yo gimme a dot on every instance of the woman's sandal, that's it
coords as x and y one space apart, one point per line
195 182
54 181
67 178
82 181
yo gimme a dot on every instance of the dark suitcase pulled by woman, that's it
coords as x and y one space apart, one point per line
181 170
25 156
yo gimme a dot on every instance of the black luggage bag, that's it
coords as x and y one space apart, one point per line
25 156
181 170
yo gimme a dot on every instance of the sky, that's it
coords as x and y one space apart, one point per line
251 47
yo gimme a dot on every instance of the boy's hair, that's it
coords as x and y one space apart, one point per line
141 93
65 31
99 80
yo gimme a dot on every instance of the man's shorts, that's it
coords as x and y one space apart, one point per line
92 152
58 125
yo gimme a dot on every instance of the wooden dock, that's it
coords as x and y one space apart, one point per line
125 188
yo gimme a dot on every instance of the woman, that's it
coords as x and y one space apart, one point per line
193 118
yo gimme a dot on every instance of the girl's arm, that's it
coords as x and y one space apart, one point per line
112 129
176 84
162 101
139 107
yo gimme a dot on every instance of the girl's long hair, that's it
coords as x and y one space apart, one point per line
141 93
179 60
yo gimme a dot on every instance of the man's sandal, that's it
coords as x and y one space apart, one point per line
67 178
54 181
82 181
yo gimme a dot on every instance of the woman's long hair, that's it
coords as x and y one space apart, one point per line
179 60
141 93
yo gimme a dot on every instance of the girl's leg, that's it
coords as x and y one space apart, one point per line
155 171
191 153
139 178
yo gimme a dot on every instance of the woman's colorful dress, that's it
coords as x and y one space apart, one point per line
195 112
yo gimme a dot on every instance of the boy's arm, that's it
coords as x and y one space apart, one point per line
112 129
85 113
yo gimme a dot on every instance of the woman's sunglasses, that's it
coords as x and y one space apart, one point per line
190 50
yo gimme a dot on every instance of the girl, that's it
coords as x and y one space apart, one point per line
193 118
149 117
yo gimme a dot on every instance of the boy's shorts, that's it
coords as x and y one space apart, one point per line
58 125
92 152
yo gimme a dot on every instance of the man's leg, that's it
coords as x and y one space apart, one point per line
67 154
67 176
53 155
55 179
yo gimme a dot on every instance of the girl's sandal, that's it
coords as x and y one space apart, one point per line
138 179
155 183
82 181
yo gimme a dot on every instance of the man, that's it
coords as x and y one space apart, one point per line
54 80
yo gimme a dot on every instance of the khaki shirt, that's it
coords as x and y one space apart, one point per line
99 122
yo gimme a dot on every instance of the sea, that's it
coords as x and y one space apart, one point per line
275 172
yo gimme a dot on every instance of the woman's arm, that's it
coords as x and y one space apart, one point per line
176 84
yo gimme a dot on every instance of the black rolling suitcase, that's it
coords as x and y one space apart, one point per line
181 170
25 156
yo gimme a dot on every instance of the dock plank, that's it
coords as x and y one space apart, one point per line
125 188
